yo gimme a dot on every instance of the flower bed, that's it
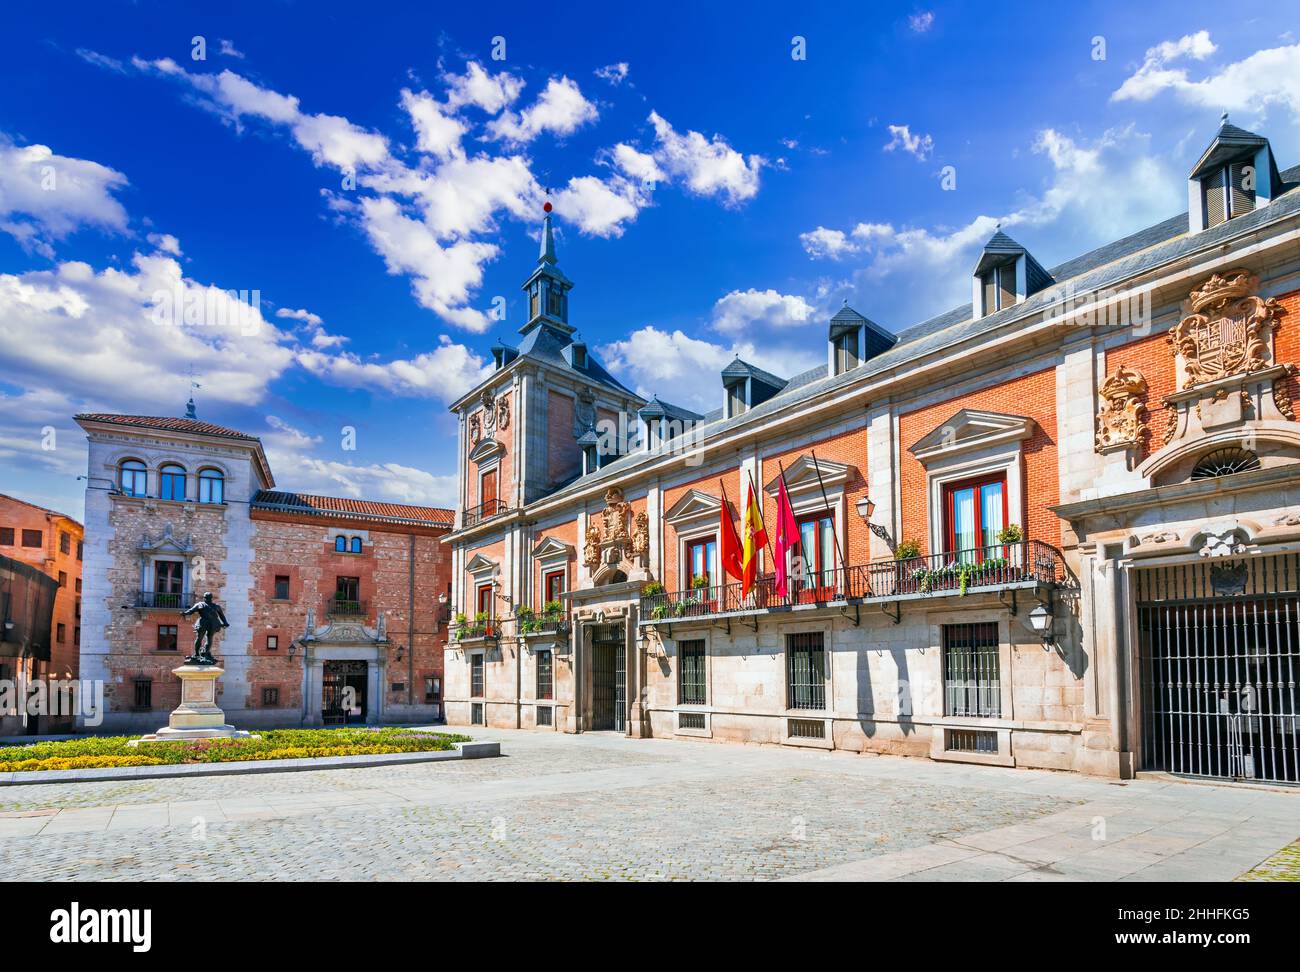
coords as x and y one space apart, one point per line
110 751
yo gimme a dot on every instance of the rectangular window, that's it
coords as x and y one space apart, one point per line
487 492
817 548
999 286
270 696
736 404
143 697
690 672
63 578
975 512
806 670
432 688
167 637
169 577
272 642
846 352
78 585
483 600
972 682
476 675
61 632
32 538
282 587
76 635
553 584
6 536
1216 203
702 560
1241 188
65 543
81 547
347 594
545 676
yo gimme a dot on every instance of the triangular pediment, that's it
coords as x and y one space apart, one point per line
804 472
478 564
695 504
485 450
971 429
549 548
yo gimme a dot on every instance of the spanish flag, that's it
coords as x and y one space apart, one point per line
755 540
730 539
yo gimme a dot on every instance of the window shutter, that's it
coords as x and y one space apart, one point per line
1243 200
990 292
1007 284
1215 204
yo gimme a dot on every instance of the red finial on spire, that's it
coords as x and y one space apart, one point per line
546 208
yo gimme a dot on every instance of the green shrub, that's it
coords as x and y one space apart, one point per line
907 550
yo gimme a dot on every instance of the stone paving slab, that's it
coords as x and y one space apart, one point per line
597 807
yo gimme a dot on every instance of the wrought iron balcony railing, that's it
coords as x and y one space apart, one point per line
164 600
1026 563
340 607
484 511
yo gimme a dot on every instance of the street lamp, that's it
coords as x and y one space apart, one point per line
1040 619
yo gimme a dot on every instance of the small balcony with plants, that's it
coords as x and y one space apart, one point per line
548 624
1011 564
482 627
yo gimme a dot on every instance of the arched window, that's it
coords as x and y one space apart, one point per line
341 544
171 482
132 478
1225 462
356 545
212 486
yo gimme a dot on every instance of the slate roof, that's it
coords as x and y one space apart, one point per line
166 423
1097 269
545 343
339 506
739 368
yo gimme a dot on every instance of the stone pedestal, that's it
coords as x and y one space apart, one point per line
198 716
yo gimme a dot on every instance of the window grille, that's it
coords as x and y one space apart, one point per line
972 682
806 670
690 676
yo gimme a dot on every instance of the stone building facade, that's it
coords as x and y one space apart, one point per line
52 543
337 607
1056 527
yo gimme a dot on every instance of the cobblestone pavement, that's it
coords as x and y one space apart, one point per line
603 807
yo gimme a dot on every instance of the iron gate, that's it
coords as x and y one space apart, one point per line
609 677
343 692
1219 651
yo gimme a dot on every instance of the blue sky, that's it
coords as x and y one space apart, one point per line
377 177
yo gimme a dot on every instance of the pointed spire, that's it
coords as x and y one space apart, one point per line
547 254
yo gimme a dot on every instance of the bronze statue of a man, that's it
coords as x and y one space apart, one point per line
211 619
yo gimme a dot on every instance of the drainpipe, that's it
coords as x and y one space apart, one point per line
410 637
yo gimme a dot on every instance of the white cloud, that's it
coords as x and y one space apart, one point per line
921 22
75 329
438 133
301 314
228 49
710 167
445 373
615 74
823 243
600 208
918 145
477 87
45 197
637 165
686 371
166 243
1255 83
289 451
560 109
101 60
743 310
313 327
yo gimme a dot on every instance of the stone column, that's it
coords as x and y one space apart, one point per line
374 692
315 685
880 461
636 718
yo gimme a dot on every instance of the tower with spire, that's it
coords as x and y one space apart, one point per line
547 287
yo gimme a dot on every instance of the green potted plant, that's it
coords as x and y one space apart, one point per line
910 575
462 626
653 589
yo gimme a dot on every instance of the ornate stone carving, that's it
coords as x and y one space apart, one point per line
494 414
1229 332
1225 544
475 429
611 546
641 536
591 549
584 413
1282 398
503 412
1229 579
1120 419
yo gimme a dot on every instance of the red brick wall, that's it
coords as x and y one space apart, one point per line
495 552
563 457
1033 395
505 468
565 533
303 549
48 559
708 483
849 448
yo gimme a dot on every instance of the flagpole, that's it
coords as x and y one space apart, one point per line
765 536
835 533
798 538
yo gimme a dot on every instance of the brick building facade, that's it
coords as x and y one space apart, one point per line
337 607
52 543
1056 527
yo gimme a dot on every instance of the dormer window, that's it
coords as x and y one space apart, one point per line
846 352
736 403
999 287
1235 175
579 355
590 460
1229 191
